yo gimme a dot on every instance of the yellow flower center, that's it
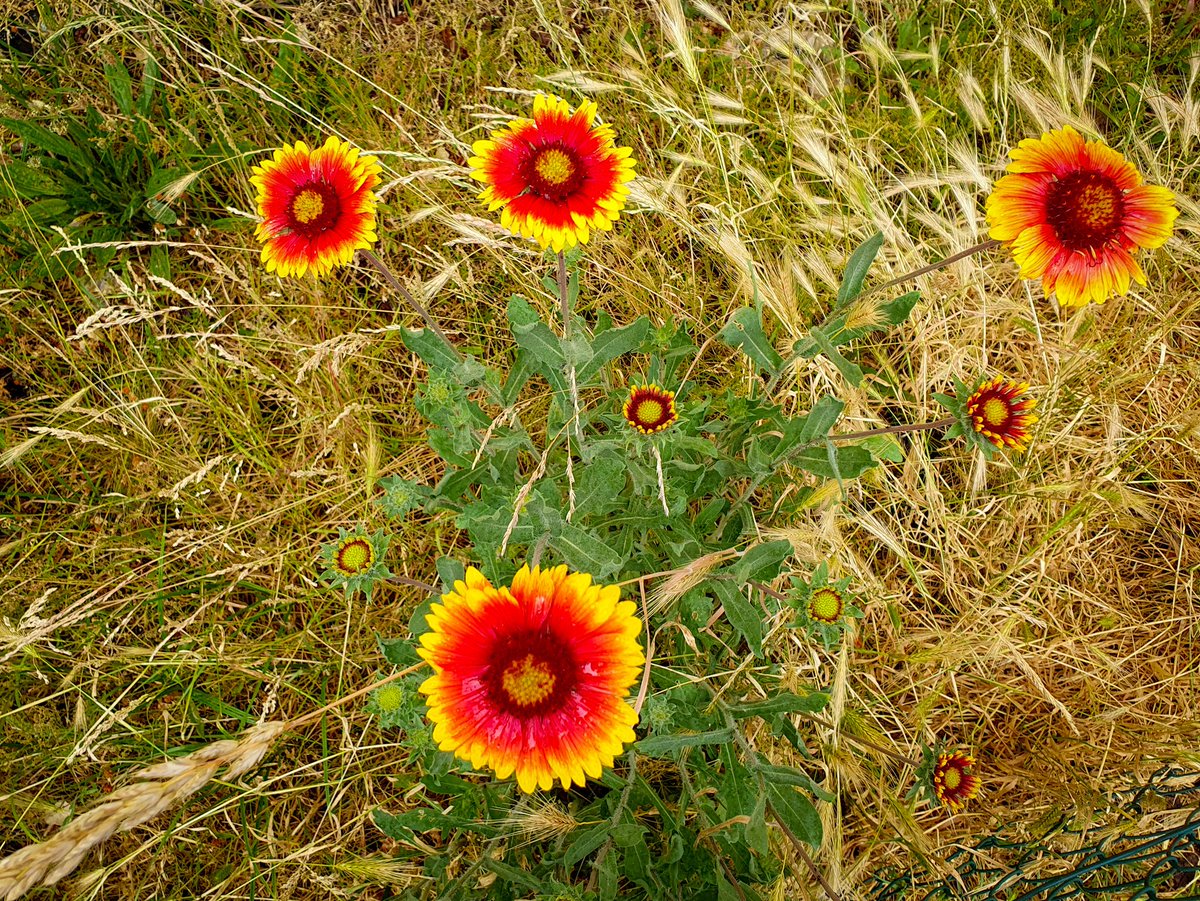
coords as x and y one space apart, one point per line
1097 206
952 778
555 167
355 557
995 411
307 206
528 681
390 698
825 605
648 412
1086 210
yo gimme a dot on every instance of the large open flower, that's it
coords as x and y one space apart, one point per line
317 207
1074 214
532 678
555 177
1000 412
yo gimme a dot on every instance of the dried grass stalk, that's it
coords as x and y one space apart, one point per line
157 789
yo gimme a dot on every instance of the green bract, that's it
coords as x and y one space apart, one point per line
355 561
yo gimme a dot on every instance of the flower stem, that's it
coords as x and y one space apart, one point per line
564 298
333 705
564 295
989 244
395 285
893 429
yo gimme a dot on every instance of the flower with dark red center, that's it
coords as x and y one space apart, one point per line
317 207
650 409
825 605
1074 214
355 561
954 783
555 177
531 679
354 556
999 411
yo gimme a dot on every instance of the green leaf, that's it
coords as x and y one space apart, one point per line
160 262
160 211
51 211
450 571
626 835
786 775
424 819
390 825
884 447
796 812
852 462
762 562
662 745
742 615
737 787
586 843
19 179
609 880
429 346
398 651
534 336
821 418
897 311
857 268
149 80
599 486
637 861
584 552
121 85
784 702
609 345
756 829
850 371
513 875
48 141
744 329
518 375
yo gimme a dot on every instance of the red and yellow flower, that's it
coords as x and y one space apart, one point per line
556 177
650 409
954 783
317 207
1074 213
1000 411
531 679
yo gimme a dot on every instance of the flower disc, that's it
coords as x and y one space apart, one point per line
953 782
825 605
999 411
554 177
650 409
317 207
531 679
354 556
1074 213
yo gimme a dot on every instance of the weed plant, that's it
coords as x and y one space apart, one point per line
229 500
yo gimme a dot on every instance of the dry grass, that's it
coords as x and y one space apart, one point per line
178 450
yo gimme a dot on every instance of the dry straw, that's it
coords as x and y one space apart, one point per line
154 790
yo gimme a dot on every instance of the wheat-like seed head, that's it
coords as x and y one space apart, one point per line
157 789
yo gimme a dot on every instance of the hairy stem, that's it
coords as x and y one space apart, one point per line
989 244
395 285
